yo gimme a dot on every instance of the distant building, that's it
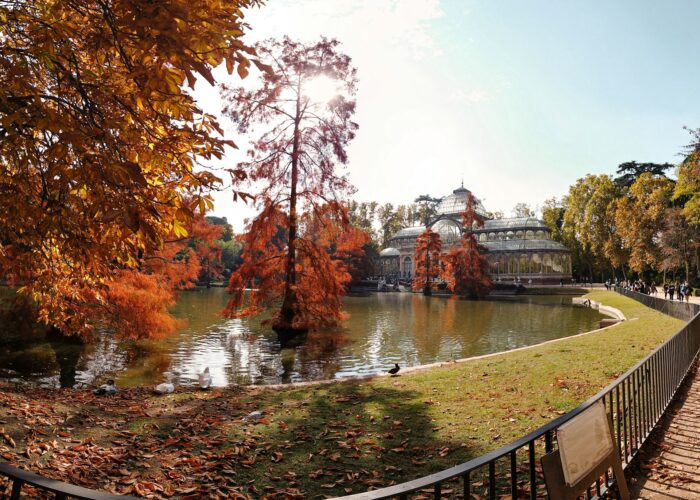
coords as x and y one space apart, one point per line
520 249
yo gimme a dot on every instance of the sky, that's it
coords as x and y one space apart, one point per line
517 98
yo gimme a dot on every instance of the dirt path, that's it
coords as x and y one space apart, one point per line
669 463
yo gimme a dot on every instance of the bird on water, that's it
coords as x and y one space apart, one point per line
395 369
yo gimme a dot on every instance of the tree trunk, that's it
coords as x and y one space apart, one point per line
285 322
427 290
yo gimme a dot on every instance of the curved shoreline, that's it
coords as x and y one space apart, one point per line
602 308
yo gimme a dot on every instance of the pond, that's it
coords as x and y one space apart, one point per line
383 329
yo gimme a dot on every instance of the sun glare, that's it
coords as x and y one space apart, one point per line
321 89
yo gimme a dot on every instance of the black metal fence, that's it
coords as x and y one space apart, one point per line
635 401
676 308
60 490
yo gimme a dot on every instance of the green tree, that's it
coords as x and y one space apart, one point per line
227 232
630 171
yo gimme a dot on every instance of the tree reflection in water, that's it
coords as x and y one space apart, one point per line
383 329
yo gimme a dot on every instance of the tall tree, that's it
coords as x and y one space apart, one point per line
553 217
389 222
688 185
427 259
428 207
679 241
99 138
640 220
523 210
466 264
630 171
303 110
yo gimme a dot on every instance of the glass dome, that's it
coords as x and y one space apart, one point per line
456 203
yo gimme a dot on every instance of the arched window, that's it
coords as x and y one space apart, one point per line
407 267
500 235
536 263
529 235
510 235
518 235
557 264
492 236
547 263
483 237
524 264
539 235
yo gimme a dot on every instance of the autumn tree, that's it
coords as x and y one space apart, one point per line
688 185
302 111
553 217
679 241
427 259
99 139
466 265
640 219
588 228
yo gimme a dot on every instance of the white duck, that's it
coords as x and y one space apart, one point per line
164 388
204 379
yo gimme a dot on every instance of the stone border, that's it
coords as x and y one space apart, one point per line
610 311
602 308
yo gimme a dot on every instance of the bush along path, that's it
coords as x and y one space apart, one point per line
318 440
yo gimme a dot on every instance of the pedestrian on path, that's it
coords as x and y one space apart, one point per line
665 290
671 291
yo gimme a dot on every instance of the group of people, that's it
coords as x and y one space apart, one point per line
679 291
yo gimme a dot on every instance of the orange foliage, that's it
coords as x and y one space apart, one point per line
99 138
427 259
326 246
466 265
302 141
137 305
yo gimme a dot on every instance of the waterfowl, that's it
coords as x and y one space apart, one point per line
164 388
204 379
107 389
395 369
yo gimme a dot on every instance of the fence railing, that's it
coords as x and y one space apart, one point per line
635 401
676 308
61 491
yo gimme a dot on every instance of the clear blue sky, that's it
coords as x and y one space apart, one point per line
519 97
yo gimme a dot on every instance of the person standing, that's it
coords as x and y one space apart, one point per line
689 292
671 290
665 290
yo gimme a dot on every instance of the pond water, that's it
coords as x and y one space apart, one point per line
383 329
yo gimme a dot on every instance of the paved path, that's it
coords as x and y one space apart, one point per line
669 462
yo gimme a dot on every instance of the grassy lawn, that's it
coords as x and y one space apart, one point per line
318 440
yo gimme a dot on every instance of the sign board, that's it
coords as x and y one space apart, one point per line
584 442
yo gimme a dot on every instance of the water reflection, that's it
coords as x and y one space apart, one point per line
383 329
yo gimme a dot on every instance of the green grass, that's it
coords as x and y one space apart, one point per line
343 437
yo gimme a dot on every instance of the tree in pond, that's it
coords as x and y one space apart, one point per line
466 264
427 259
99 139
303 110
